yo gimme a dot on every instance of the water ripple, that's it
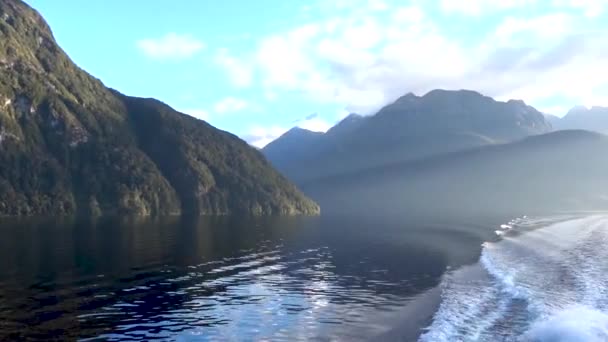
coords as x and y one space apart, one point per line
260 291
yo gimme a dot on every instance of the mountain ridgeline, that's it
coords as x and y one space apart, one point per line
69 145
411 128
452 153
556 172
590 119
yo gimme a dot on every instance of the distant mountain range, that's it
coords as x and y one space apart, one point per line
591 119
411 128
451 152
69 145
559 171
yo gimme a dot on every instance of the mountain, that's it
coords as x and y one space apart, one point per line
347 125
591 119
411 128
292 145
553 120
558 171
69 145
299 146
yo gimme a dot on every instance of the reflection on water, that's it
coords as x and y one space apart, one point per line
217 278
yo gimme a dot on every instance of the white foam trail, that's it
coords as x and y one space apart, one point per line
549 283
575 324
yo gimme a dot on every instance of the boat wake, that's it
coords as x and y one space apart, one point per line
543 280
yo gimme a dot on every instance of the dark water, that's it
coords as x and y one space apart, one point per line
226 278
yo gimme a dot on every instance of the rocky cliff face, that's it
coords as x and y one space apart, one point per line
70 145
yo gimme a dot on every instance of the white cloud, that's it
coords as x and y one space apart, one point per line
231 104
315 124
171 46
479 7
283 57
361 60
362 57
590 8
570 67
378 5
558 111
341 114
239 71
259 136
515 31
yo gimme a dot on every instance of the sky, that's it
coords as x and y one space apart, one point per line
258 68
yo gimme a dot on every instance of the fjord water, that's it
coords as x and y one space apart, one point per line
529 279
224 278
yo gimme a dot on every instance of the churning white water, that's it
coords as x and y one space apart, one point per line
544 280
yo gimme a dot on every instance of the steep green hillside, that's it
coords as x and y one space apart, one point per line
70 145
